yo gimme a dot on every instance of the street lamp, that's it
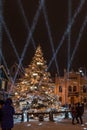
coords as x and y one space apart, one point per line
82 71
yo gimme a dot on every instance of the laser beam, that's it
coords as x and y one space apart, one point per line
50 36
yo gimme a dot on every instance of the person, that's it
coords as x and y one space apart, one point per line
79 111
82 104
1 105
8 111
73 112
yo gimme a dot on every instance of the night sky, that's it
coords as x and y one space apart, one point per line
46 33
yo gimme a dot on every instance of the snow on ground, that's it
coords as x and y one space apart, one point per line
59 123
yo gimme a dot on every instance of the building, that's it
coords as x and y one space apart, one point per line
4 80
71 88
16 69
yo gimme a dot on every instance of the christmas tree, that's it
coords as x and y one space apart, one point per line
36 89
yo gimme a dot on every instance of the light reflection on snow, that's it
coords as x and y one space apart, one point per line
85 128
28 124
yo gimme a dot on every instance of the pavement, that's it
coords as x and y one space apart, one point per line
64 124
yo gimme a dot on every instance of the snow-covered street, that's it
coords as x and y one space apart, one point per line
59 124
64 124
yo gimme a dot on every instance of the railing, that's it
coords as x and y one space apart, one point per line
19 114
40 115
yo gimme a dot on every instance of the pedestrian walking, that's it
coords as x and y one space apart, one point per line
8 111
74 114
1 105
79 111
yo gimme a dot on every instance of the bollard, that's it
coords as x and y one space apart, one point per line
22 118
51 116
41 117
27 116
66 115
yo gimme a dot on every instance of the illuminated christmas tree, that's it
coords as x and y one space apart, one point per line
36 88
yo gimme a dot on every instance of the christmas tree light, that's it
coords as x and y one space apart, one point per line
36 88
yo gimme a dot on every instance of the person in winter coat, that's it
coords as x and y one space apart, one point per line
80 111
1 105
74 114
8 111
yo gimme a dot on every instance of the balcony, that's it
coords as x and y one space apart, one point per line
73 94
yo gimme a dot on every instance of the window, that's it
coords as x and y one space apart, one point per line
84 100
60 99
84 89
74 88
60 88
70 89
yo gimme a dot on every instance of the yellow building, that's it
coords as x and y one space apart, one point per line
71 88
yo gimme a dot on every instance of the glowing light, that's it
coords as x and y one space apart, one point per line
16 93
35 87
46 92
26 75
35 74
39 63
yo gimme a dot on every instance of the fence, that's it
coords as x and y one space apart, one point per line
41 115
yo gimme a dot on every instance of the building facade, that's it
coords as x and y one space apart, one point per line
71 88
4 81
16 69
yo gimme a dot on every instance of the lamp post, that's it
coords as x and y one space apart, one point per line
82 71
